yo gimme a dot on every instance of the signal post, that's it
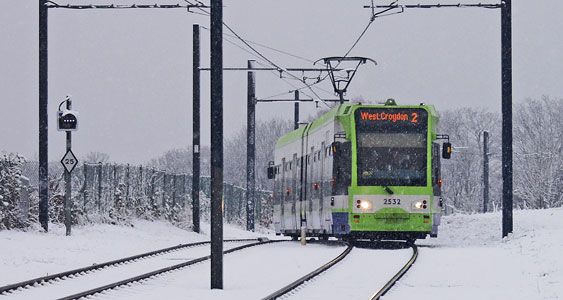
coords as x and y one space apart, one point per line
67 121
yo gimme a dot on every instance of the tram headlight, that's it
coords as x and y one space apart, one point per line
363 204
422 204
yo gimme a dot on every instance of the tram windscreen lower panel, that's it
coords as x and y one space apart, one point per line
391 147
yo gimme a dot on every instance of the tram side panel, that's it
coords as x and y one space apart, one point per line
304 183
318 140
318 179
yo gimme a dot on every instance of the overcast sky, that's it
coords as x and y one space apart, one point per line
129 71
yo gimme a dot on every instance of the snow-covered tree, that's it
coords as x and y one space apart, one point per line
96 157
10 189
463 173
538 153
179 161
267 135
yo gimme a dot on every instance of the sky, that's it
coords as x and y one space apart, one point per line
129 71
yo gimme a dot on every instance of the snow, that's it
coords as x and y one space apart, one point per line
26 255
468 260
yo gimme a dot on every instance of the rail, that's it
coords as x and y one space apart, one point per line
89 269
397 276
160 271
309 276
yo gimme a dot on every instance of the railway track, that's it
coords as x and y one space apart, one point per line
17 289
397 276
294 285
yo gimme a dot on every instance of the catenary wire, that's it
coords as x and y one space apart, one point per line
266 59
307 86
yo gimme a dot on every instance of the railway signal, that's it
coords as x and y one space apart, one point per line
67 121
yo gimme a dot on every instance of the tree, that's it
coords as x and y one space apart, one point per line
10 188
462 175
267 135
96 157
179 161
538 151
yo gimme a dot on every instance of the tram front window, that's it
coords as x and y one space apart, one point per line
391 159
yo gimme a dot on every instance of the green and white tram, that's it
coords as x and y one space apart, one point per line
361 172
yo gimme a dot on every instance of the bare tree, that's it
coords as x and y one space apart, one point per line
267 135
538 149
180 161
462 175
96 157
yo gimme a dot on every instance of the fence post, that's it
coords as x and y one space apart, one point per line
173 190
114 185
152 189
127 204
24 197
164 191
85 187
485 170
227 202
184 193
258 208
100 166
140 190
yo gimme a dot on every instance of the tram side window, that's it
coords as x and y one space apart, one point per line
435 164
342 168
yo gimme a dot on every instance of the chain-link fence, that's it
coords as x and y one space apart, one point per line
115 193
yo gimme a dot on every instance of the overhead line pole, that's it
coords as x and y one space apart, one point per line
296 111
216 144
196 128
43 118
507 188
250 148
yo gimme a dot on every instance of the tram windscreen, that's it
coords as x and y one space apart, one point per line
391 146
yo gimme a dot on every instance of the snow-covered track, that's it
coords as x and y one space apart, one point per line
309 276
85 270
161 271
397 276
295 287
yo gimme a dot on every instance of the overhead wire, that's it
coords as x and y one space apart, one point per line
276 50
276 73
372 19
259 54
274 64
265 58
289 83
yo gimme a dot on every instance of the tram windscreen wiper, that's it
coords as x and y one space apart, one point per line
388 190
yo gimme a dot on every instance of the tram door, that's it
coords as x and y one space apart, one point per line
283 196
321 185
294 189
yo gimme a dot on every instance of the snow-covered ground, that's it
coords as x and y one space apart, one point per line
469 260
